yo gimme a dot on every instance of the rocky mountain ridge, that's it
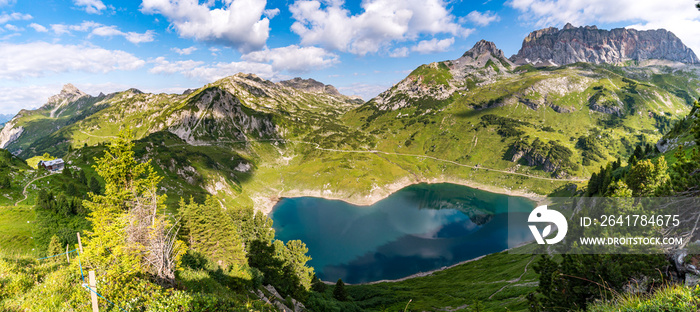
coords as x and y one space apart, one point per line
310 85
237 108
554 47
482 64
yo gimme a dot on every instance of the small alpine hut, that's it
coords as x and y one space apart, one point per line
52 165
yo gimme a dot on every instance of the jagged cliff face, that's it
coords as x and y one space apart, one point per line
554 47
217 115
310 85
9 134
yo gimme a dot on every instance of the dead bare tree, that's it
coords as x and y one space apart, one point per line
154 237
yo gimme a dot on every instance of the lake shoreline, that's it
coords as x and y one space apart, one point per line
379 193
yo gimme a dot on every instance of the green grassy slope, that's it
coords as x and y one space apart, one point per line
497 282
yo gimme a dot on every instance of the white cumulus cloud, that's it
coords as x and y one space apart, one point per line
363 90
185 51
380 23
91 6
13 27
38 28
239 23
268 63
399 52
7 17
293 58
163 66
97 29
482 19
36 59
135 37
433 45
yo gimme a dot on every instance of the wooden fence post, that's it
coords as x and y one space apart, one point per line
80 244
93 294
67 255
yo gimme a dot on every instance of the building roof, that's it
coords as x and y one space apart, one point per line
52 162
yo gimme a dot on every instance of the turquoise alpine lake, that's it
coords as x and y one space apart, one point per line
419 228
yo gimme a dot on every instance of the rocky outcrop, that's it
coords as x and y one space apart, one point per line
68 94
483 62
410 90
269 295
9 134
310 85
552 46
215 114
539 153
482 48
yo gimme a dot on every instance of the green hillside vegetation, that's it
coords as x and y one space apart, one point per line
597 282
672 298
433 74
145 266
329 145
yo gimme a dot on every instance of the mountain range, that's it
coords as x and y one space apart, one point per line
539 122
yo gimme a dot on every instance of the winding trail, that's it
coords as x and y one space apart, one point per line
377 152
511 282
317 146
24 192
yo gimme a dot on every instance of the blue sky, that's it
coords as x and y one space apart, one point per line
361 47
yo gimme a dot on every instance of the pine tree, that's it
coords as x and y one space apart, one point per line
593 184
296 257
607 178
129 238
253 226
646 176
54 248
95 186
81 178
617 163
212 233
67 173
5 182
317 285
339 292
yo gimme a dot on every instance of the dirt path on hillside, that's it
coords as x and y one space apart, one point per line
24 192
317 146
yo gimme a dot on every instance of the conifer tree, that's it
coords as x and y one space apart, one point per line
54 248
128 237
81 178
67 173
295 256
212 232
95 186
339 292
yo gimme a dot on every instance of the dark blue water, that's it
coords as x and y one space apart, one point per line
419 228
